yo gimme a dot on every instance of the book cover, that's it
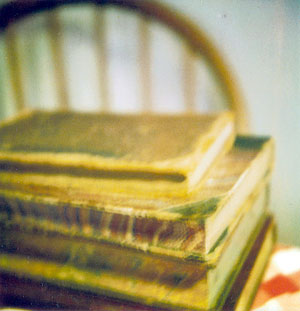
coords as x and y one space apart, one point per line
175 151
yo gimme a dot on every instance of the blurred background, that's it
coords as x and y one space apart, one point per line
195 55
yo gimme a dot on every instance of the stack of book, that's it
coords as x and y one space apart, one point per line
162 211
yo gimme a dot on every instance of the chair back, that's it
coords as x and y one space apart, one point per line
112 55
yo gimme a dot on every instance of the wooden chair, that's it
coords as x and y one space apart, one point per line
63 55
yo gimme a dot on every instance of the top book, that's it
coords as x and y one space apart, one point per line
174 151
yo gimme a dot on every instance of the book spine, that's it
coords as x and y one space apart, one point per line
99 256
87 221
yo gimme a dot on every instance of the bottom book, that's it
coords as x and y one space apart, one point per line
246 284
21 292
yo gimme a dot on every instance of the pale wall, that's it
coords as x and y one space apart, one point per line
261 40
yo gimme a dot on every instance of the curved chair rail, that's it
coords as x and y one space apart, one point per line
195 39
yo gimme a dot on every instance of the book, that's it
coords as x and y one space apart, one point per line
118 272
26 293
247 283
170 231
187 227
157 154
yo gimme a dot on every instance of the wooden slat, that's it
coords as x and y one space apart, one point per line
14 66
55 33
101 56
189 79
145 63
